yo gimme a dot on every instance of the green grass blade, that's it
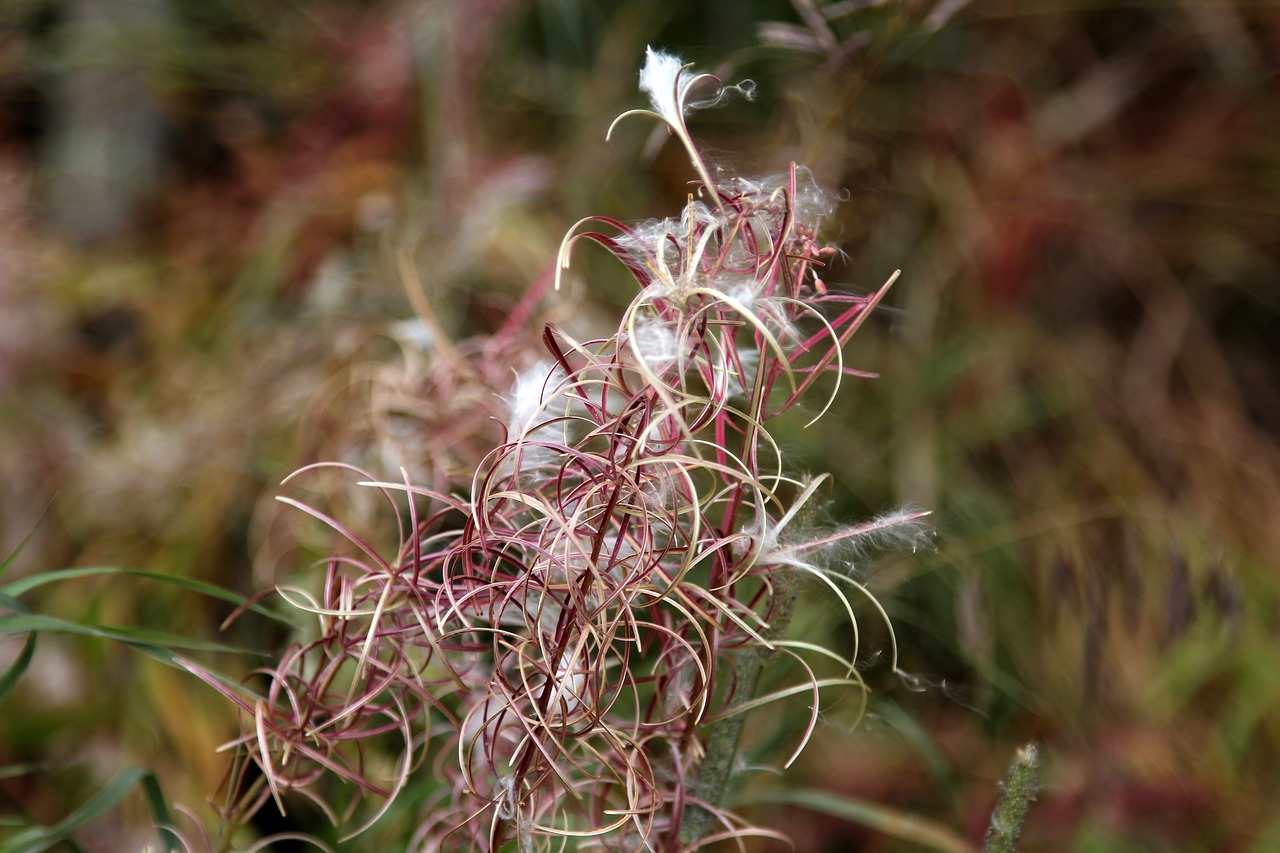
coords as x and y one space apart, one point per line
41 838
26 623
884 819
13 555
154 644
20 664
24 585
23 660
163 817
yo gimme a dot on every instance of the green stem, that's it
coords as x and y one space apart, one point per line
717 765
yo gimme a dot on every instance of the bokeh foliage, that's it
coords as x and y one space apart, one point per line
1079 368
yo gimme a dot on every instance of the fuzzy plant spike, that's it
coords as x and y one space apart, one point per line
566 643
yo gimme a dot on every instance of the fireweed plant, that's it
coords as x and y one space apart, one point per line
569 638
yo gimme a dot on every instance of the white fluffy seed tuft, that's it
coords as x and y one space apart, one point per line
660 80
530 392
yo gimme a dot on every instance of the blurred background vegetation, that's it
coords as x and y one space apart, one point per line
217 216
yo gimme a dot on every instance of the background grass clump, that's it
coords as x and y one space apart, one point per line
1079 364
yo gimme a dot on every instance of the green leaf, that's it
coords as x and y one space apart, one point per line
884 819
24 585
141 638
23 660
20 664
36 839
13 555
154 644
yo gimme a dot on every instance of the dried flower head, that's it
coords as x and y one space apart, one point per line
573 638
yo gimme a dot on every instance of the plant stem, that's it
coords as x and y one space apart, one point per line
717 764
